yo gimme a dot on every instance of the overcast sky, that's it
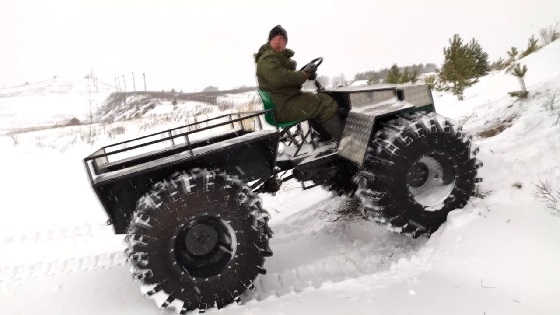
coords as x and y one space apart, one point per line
192 44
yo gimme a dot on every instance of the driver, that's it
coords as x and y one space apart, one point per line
277 75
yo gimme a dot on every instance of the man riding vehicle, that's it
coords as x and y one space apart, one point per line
277 75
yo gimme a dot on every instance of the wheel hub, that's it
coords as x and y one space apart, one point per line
418 174
430 181
205 246
201 239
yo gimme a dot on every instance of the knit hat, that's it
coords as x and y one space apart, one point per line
277 30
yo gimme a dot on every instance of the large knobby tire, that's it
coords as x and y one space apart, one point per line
198 240
416 170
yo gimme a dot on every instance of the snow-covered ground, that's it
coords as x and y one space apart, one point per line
498 255
49 102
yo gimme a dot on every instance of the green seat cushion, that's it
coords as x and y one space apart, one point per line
269 116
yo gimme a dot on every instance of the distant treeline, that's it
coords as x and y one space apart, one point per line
381 75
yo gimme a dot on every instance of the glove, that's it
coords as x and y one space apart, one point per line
310 74
310 71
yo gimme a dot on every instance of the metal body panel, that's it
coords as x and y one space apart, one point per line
418 95
355 137
373 87
371 104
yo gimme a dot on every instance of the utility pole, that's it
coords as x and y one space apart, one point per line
90 101
145 86
133 83
124 82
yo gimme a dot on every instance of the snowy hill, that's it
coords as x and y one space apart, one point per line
49 102
498 255
129 105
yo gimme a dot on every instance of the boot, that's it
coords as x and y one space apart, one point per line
333 127
323 135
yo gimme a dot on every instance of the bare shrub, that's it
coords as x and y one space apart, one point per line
498 127
550 106
550 195
550 33
89 135
14 138
550 102
116 131
253 105
225 104
493 131
201 109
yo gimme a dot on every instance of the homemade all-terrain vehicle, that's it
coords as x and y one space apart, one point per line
197 235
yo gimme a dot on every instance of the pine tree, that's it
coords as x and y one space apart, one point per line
394 75
480 59
405 76
498 64
532 46
463 64
512 53
414 76
520 72
430 81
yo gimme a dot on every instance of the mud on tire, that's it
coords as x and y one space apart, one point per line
417 169
198 240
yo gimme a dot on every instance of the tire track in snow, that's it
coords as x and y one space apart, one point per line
59 250
309 251
57 233
12 275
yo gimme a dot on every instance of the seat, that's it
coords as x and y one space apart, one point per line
288 135
269 116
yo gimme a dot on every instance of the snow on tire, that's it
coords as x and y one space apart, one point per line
198 240
417 169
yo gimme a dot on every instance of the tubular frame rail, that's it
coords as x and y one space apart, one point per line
102 155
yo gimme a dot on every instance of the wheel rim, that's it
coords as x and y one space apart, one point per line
430 182
205 246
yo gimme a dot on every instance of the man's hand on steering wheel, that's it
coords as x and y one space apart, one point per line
310 75
310 69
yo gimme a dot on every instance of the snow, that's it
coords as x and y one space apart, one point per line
359 83
238 99
48 102
498 255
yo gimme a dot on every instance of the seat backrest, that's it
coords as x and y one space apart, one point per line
269 116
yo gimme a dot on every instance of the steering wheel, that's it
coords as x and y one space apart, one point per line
312 65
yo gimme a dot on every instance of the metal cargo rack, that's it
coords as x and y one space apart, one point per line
173 142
